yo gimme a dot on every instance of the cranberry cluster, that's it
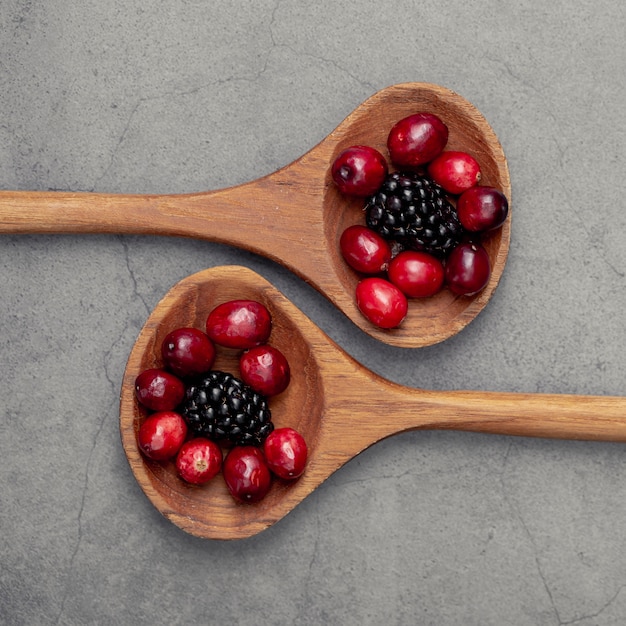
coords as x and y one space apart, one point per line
189 352
414 143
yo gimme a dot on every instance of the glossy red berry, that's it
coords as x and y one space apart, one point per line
467 269
159 390
198 460
359 171
286 453
417 139
416 274
161 435
265 369
364 250
239 324
188 352
246 474
381 302
455 171
482 208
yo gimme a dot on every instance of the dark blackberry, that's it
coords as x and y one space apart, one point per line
414 211
221 407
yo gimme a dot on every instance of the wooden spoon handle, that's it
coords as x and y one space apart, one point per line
270 216
601 418
84 212
364 413
237 214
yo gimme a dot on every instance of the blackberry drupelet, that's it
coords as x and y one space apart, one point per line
414 211
221 407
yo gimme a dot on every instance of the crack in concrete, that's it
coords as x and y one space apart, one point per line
117 146
113 383
273 21
250 78
308 600
81 509
175 93
131 272
607 604
535 550
565 192
324 60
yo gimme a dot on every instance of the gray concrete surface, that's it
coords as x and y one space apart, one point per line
425 528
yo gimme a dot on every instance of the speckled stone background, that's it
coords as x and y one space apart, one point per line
424 528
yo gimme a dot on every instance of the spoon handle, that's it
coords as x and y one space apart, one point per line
236 215
601 418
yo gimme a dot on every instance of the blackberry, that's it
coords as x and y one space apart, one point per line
413 210
221 407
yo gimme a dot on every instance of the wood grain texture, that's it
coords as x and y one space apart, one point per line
295 216
339 406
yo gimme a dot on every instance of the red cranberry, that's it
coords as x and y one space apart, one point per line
455 171
188 352
416 140
482 208
286 452
159 390
364 250
467 269
161 435
239 324
359 171
198 460
246 474
416 274
381 302
265 369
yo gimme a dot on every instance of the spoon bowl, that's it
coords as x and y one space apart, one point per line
210 510
338 405
295 216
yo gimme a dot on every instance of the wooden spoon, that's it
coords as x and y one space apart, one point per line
295 216
338 405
